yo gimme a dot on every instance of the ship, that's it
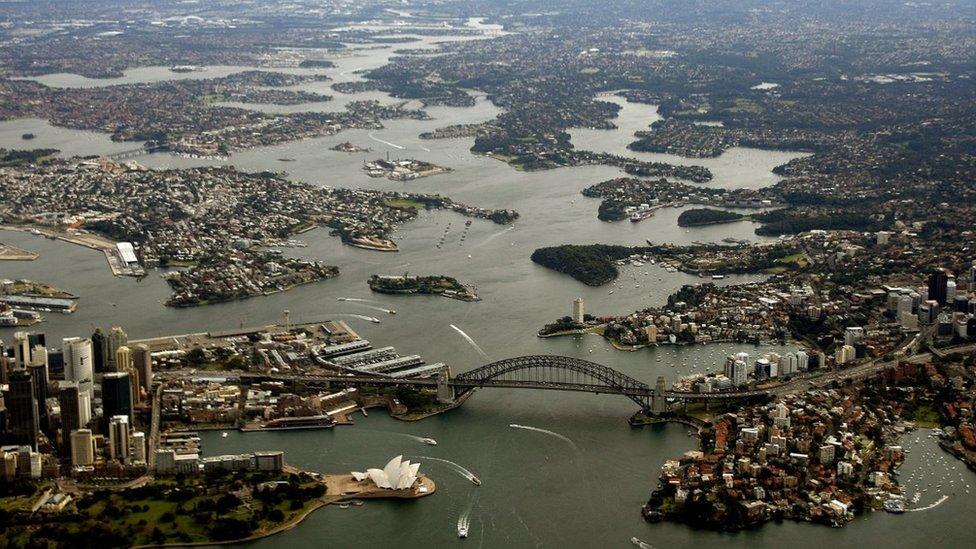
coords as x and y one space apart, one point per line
462 527
641 215
429 441
475 480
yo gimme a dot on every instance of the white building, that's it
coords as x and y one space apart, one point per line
578 311
396 475
78 366
802 361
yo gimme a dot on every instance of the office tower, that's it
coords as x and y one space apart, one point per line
762 368
4 367
138 446
802 361
578 313
938 280
960 304
739 373
38 372
928 311
21 350
36 340
22 415
972 277
69 399
142 362
82 448
853 335
950 290
55 361
788 364
98 350
123 363
78 365
116 395
118 438
116 338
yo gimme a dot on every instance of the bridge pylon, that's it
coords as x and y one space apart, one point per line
445 392
659 404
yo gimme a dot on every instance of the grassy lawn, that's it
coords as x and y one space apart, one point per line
201 510
744 105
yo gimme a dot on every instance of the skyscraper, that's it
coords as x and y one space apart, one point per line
98 350
142 362
69 399
38 371
123 363
938 281
78 362
950 290
116 395
22 415
118 438
21 350
82 448
116 338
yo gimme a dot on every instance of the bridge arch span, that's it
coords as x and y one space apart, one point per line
556 372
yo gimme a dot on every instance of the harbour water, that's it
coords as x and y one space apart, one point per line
537 491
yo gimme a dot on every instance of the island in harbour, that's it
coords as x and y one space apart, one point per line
402 170
698 217
348 147
424 285
596 264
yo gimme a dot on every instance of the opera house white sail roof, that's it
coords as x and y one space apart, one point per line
398 474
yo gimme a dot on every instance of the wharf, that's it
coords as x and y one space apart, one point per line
13 253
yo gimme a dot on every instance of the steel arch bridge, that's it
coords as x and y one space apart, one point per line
559 373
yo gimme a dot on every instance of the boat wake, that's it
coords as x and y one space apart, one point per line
378 140
460 470
471 341
356 299
372 319
641 544
424 440
493 237
546 432
375 308
927 507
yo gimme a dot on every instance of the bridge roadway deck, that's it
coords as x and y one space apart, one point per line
463 386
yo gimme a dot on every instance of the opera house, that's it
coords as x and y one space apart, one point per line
398 474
